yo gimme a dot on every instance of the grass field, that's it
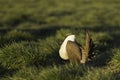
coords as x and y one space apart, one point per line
31 32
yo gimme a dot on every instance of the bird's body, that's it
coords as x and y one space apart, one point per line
70 50
73 51
62 52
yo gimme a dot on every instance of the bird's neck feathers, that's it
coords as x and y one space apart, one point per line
70 38
62 51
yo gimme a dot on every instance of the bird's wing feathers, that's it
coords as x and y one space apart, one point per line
73 51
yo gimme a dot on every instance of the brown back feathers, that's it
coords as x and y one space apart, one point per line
80 54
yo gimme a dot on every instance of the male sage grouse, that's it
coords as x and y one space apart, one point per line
71 50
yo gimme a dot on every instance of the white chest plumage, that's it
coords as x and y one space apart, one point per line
62 52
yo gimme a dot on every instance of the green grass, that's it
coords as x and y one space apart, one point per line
63 72
15 36
72 13
114 63
31 32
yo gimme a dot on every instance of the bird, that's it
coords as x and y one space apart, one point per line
71 50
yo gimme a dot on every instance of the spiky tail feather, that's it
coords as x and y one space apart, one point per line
87 49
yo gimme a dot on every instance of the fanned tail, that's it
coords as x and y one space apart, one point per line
88 48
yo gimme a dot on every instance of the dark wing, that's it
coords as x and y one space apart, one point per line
73 51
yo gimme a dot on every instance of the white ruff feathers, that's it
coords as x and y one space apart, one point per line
62 52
